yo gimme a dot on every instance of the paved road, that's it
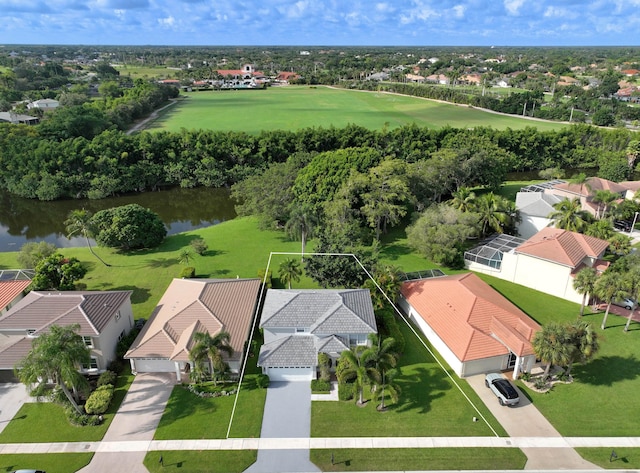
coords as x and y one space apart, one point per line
524 420
287 414
134 425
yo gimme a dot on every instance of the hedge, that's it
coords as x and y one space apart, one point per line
99 401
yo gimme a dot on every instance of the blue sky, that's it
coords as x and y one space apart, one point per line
322 22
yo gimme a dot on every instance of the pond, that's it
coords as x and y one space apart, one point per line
23 220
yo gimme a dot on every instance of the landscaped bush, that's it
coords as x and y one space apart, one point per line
324 363
188 272
108 377
262 381
390 321
320 386
199 246
116 366
99 401
346 391
125 343
267 282
81 419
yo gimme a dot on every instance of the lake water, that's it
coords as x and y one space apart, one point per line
23 220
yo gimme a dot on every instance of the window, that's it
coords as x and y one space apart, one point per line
93 364
300 330
357 339
88 341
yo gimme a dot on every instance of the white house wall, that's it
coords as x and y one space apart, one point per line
530 225
105 347
544 276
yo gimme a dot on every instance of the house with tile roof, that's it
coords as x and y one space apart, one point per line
187 307
104 317
534 209
549 261
586 192
473 327
299 324
11 292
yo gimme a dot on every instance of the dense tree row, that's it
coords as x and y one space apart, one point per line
59 161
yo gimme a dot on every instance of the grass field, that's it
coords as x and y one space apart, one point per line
51 463
146 72
296 107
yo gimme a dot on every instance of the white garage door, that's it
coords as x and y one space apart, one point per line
155 366
290 374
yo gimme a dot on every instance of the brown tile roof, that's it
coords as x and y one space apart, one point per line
9 290
38 310
197 305
14 351
590 187
470 317
562 246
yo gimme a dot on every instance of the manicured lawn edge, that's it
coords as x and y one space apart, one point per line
49 462
627 458
198 461
413 459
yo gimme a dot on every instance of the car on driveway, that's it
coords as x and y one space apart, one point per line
505 391
627 303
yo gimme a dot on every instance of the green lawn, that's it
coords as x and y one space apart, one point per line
418 459
628 458
46 422
296 107
601 400
146 72
430 405
221 461
51 462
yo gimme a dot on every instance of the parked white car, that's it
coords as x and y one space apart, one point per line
627 303
506 393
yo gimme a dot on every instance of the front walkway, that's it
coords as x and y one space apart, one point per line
287 415
524 420
133 425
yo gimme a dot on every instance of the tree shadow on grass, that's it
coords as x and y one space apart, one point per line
139 294
608 370
395 250
420 389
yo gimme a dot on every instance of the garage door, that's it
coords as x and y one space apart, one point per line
155 366
290 374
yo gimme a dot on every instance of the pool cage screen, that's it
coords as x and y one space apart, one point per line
489 252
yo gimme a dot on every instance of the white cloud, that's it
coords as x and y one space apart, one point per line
384 8
420 12
298 9
459 10
168 21
513 6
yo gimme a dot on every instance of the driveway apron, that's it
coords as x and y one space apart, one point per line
137 419
525 420
287 414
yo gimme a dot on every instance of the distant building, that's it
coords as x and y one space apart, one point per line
18 118
44 104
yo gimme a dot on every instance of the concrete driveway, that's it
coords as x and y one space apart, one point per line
524 420
136 420
287 414
12 397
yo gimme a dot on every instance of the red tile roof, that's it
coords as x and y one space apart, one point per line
592 185
470 317
562 246
9 290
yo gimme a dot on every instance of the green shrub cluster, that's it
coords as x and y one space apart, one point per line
262 381
268 283
320 386
346 391
199 246
99 401
81 419
108 377
188 272
390 327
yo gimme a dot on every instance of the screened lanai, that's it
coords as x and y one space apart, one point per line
489 252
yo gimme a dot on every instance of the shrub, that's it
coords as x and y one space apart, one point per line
324 363
525 376
123 345
346 391
108 377
188 272
262 381
116 366
391 328
267 282
81 419
199 246
99 401
32 253
320 386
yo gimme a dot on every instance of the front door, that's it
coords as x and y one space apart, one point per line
512 360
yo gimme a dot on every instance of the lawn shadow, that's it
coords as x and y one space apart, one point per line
608 370
420 389
395 250
139 294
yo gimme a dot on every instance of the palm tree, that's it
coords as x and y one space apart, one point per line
605 197
602 229
609 287
185 256
209 348
584 343
388 278
389 386
356 368
79 223
382 357
463 199
633 153
582 180
584 283
569 215
301 224
289 270
495 212
550 345
632 285
56 356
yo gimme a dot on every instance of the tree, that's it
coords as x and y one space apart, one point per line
583 340
633 153
31 253
79 223
604 197
57 273
209 349
609 287
495 213
56 356
388 278
289 270
602 229
584 283
128 227
185 256
383 357
301 224
632 285
463 199
568 215
550 345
